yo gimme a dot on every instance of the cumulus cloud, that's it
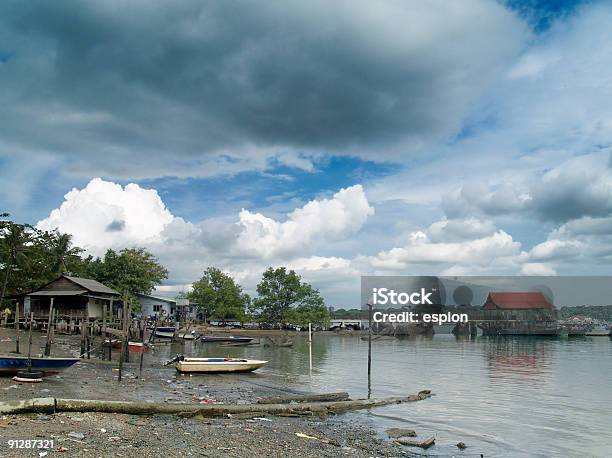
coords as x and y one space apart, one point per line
105 214
345 212
471 244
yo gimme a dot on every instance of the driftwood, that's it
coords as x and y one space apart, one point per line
340 396
416 443
52 405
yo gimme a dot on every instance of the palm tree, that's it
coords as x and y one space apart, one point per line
62 252
14 247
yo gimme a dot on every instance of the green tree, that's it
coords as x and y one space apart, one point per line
15 245
63 255
283 298
132 269
219 296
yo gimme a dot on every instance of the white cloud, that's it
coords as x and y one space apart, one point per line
344 213
472 253
105 214
534 268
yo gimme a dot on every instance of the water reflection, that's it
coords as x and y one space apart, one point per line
522 359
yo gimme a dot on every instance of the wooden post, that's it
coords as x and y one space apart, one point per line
83 337
310 346
30 343
369 350
88 332
125 333
17 328
48 344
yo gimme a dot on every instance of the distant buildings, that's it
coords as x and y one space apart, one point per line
518 306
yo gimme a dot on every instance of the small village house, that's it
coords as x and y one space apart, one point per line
73 297
152 306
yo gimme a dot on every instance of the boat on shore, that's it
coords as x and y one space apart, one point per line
163 332
138 346
11 365
217 365
187 335
211 339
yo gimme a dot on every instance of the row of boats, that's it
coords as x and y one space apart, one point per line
171 333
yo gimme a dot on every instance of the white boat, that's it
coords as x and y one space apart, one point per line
187 335
218 365
601 330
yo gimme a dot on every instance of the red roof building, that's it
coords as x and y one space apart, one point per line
517 301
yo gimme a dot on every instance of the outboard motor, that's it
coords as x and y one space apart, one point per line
176 359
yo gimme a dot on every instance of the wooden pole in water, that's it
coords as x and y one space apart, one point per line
310 346
124 340
369 350
17 328
30 343
48 344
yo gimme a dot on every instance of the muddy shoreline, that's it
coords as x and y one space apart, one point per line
97 434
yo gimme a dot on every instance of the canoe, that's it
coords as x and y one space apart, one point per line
225 339
217 365
10 365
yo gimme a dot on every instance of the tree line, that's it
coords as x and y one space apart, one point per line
30 258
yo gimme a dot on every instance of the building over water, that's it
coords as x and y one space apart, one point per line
519 313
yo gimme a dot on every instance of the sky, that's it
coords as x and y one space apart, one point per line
334 138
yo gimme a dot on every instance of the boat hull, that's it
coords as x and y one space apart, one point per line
218 365
10 365
138 346
225 339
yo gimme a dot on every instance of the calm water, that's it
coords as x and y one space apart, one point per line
501 396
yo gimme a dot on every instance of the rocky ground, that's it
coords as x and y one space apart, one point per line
106 435
102 435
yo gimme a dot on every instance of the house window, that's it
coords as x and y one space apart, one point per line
157 308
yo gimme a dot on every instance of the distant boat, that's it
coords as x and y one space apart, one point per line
114 343
10 365
138 346
218 365
600 330
187 335
163 332
225 339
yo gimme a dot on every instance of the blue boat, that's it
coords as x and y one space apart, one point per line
10 365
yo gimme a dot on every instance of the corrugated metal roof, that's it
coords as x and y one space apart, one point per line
91 285
517 300
157 298
57 293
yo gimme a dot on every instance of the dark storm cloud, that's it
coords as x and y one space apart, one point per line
186 79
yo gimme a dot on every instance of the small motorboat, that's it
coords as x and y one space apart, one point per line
11 365
138 346
215 365
187 335
225 339
163 332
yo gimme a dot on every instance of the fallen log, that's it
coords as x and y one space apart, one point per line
338 396
51 405
35 405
